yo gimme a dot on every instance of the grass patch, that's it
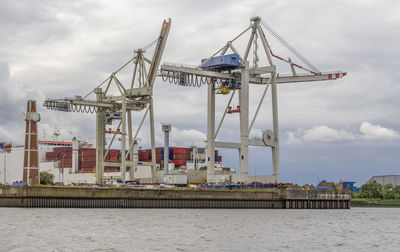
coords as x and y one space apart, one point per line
372 202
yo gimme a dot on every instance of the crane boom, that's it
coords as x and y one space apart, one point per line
176 71
158 52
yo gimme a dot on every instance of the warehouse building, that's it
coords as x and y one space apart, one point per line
386 179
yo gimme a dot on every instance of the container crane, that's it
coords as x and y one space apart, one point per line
136 96
231 72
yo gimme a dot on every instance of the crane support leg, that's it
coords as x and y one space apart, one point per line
210 131
123 141
153 143
244 120
275 148
130 150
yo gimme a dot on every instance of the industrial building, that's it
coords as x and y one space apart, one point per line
386 179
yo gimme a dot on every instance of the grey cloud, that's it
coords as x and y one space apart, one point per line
367 131
12 103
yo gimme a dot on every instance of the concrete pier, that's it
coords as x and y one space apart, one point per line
93 197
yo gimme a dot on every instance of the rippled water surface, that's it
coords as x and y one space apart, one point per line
358 229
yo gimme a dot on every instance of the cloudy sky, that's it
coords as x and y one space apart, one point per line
347 129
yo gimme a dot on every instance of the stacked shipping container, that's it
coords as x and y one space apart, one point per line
87 160
178 156
87 157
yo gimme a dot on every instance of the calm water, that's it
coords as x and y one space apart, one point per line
358 229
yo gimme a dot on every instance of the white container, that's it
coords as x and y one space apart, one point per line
175 179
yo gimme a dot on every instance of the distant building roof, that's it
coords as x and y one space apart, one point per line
386 179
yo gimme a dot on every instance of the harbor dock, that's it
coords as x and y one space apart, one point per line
98 197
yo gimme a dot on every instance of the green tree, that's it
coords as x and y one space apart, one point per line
46 178
388 192
396 191
371 190
334 186
388 187
297 187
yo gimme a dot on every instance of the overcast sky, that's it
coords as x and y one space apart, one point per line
346 129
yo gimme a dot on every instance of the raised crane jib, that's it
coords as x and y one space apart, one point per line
159 52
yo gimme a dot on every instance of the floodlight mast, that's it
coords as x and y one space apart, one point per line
137 96
263 75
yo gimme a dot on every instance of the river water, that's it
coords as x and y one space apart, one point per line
358 229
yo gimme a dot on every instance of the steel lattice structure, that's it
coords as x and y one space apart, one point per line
260 75
135 96
138 96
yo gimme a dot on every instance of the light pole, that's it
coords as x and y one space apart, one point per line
166 128
62 164
4 167
63 169
255 175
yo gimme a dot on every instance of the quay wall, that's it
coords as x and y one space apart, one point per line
95 197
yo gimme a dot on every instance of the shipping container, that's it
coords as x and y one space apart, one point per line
179 151
62 149
175 179
144 159
111 169
179 162
51 154
170 154
88 170
323 187
90 158
325 183
88 164
87 151
180 156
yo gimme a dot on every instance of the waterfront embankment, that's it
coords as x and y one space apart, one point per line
374 202
98 197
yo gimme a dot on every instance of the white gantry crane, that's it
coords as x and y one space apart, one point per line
134 96
226 73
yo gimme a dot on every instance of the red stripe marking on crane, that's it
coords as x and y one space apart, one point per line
304 68
276 56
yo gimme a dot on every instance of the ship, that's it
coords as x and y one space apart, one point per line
56 157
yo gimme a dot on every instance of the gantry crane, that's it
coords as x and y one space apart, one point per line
136 96
222 79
